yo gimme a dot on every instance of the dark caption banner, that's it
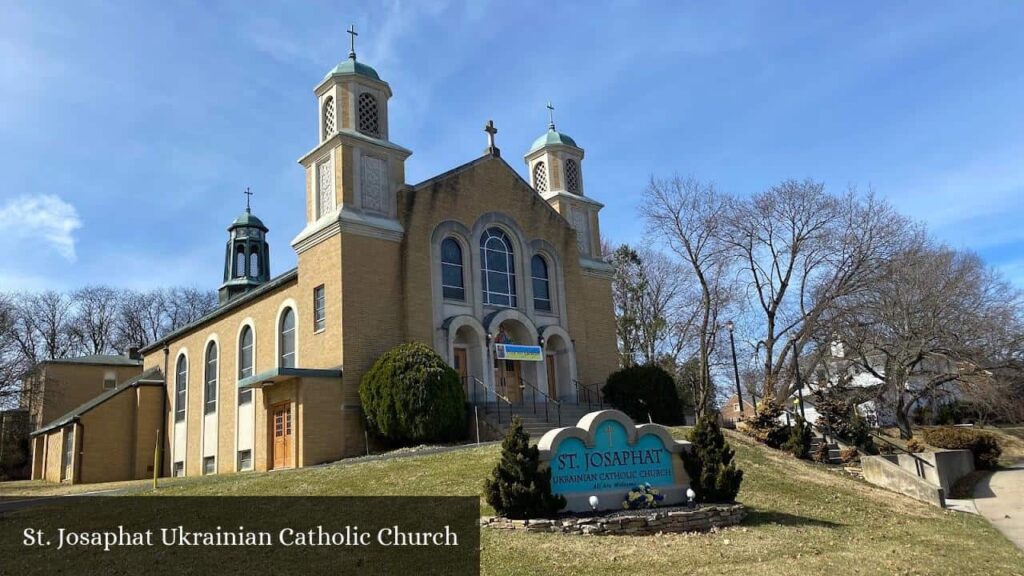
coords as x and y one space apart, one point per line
240 535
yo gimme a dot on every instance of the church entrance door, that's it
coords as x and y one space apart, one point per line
506 375
462 367
281 423
549 362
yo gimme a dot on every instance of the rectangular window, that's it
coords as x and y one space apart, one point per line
179 469
179 404
319 309
245 459
109 381
244 396
209 465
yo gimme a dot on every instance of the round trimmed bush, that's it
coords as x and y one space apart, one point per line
984 446
639 390
411 395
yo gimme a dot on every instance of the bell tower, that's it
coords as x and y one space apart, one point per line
354 172
247 255
555 165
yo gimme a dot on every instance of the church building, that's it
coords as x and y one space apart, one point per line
469 261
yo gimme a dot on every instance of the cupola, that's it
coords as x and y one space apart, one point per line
247 255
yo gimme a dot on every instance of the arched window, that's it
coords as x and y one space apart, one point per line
210 390
180 388
245 362
541 284
451 270
540 177
572 176
287 339
254 264
328 117
239 261
498 269
369 117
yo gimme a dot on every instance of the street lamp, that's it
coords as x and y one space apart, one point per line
735 367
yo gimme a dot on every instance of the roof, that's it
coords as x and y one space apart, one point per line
279 374
151 377
551 138
350 66
228 306
248 219
98 360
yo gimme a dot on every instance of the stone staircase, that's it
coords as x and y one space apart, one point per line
833 449
535 422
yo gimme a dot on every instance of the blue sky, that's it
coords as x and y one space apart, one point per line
128 130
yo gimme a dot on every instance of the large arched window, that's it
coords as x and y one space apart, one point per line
497 269
328 117
180 388
540 177
287 339
245 362
451 270
369 117
210 390
572 176
541 283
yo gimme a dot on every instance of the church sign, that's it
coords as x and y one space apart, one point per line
606 455
519 352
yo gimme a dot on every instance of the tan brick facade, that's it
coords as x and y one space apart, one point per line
375 253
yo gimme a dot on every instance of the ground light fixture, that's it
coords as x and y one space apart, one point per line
593 503
690 497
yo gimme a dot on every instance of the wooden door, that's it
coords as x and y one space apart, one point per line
506 375
281 422
462 368
549 362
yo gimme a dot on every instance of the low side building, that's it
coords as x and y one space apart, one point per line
109 438
58 386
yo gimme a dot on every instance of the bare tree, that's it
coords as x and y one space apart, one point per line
11 364
799 249
935 322
689 216
95 318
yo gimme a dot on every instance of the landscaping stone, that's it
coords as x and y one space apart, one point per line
638 522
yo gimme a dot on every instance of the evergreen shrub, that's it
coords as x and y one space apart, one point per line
642 390
518 488
710 466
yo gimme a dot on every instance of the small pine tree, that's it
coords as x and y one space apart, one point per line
713 474
517 487
799 442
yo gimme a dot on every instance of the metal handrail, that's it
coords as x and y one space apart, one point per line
588 392
526 384
478 383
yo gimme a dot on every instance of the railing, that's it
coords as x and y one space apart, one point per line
589 395
482 389
919 463
525 386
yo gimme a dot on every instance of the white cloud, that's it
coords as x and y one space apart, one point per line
29 221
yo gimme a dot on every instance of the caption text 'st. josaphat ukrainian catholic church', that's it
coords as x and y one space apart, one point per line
469 259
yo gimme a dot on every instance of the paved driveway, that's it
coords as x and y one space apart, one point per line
1000 498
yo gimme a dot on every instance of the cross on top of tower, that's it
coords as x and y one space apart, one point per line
352 50
248 196
491 131
551 116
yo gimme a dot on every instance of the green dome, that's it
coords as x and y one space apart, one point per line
552 137
351 66
248 220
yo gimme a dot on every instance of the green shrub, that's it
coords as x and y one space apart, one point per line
709 464
642 390
839 417
765 426
983 445
799 442
411 395
518 488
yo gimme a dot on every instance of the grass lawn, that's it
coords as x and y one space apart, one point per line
803 519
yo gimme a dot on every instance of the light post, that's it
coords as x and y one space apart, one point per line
735 367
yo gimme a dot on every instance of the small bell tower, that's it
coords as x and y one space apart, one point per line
555 164
247 255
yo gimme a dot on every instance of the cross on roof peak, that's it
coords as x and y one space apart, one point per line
248 196
491 131
352 49
551 116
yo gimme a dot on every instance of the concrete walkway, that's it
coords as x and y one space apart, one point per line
999 497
